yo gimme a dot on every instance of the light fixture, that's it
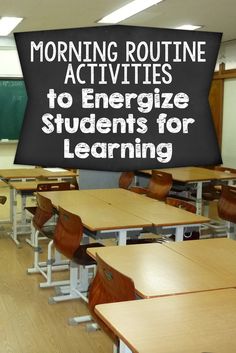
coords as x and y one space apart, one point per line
128 10
7 24
188 27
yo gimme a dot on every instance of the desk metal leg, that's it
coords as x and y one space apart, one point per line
23 205
11 204
179 233
230 230
31 240
14 216
124 348
122 237
199 198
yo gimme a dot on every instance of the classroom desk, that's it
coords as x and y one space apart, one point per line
218 255
96 214
197 175
158 213
23 174
121 210
34 173
191 323
157 272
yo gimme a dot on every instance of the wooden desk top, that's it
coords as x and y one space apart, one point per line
156 212
158 271
22 173
218 255
192 323
28 185
96 214
194 174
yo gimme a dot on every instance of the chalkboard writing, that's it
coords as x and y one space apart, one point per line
13 100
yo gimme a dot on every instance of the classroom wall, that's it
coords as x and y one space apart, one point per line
229 124
227 54
10 67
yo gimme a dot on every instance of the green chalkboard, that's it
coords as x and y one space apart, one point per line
13 98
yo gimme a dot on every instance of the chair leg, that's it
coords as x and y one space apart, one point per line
46 268
31 240
53 266
78 286
71 292
34 269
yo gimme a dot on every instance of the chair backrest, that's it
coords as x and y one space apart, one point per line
3 199
159 185
44 211
227 204
74 184
53 186
109 286
126 179
68 233
187 206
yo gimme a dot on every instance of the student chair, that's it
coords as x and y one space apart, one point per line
190 233
43 226
126 179
158 187
109 286
227 208
43 187
67 239
211 192
3 199
187 206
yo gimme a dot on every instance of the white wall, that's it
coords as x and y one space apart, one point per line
9 67
9 60
229 124
227 54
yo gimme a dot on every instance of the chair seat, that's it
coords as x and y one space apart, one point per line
31 209
47 231
82 258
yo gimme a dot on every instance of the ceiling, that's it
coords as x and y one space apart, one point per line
216 16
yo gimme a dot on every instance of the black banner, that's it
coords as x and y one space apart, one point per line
118 98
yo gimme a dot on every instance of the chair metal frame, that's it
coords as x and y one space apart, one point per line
43 215
69 239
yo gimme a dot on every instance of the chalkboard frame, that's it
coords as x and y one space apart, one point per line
10 126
